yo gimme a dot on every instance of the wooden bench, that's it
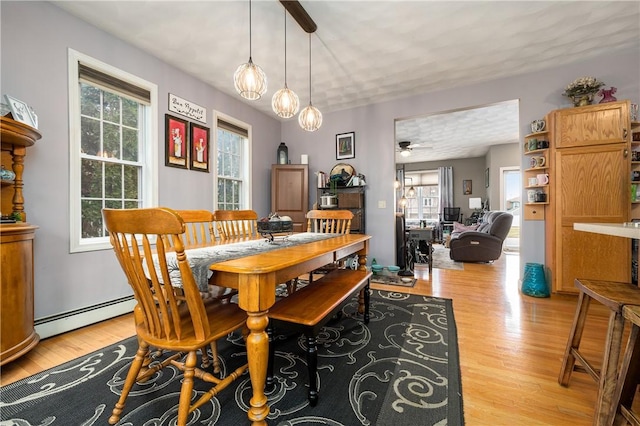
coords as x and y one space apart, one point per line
310 308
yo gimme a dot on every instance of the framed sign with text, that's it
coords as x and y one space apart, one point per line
187 108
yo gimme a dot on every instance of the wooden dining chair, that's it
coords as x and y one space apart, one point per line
199 231
198 227
179 322
232 224
329 221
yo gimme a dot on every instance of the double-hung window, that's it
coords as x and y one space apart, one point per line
113 146
233 176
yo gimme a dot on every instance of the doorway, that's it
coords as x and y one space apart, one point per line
510 201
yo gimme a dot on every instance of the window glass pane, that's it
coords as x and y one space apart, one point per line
92 219
113 180
90 104
130 113
221 192
91 178
90 136
111 141
132 204
132 182
113 204
129 144
111 107
236 193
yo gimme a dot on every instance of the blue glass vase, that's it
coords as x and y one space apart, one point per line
534 282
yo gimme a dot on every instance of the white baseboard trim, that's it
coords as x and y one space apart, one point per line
61 323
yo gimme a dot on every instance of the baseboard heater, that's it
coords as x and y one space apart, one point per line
71 320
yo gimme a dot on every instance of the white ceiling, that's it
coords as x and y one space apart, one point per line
368 52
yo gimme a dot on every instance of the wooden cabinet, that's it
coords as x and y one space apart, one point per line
348 198
589 182
17 332
635 170
536 148
290 193
600 124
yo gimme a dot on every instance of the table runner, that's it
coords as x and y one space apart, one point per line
201 258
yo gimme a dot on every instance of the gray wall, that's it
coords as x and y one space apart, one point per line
35 39
373 124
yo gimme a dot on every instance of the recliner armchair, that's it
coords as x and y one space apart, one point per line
483 244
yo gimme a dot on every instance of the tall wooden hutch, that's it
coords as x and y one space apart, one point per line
17 332
589 162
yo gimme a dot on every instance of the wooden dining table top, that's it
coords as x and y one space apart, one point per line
284 257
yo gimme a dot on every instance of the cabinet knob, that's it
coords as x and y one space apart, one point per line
624 133
625 153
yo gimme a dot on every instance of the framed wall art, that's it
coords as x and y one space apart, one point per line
466 187
199 148
345 145
177 140
20 111
486 178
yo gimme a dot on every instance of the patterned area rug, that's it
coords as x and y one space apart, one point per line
441 259
401 368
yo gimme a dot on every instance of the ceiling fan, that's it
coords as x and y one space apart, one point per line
405 147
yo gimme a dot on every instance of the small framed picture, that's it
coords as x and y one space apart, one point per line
20 111
345 145
486 178
177 140
199 148
466 187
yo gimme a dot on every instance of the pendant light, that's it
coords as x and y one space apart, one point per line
285 102
310 118
249 79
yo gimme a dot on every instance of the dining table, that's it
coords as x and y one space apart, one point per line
255 275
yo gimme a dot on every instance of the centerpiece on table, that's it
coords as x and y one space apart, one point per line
581 91
274 224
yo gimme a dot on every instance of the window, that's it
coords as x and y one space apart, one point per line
113 153
232 145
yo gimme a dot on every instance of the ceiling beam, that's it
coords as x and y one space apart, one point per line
301 16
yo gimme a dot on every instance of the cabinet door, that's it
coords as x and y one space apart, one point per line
590 186
593 125
290 193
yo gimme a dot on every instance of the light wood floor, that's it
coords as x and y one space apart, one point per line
510 346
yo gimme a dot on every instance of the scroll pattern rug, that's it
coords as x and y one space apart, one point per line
400 369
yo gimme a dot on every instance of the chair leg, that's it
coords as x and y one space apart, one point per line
628 381
132 375
187 388
292 286
312 362
569 360
609 371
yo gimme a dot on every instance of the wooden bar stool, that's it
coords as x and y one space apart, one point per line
629 378
613 295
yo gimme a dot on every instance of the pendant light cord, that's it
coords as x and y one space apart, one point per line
249 30
285 48
309 68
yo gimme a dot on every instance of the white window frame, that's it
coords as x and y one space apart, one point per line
149 148
247 180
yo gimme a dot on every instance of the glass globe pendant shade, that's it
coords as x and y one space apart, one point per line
250 81
310 118
285 103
